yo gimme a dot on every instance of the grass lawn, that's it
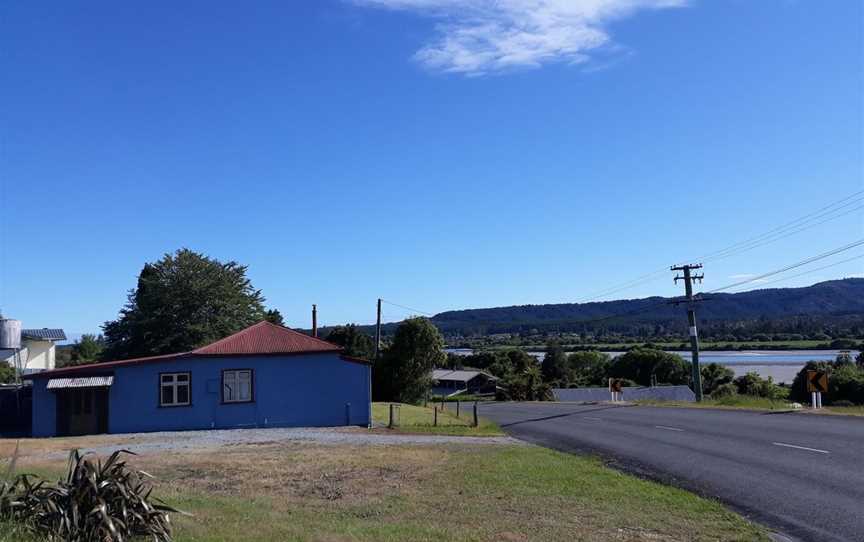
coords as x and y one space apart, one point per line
458 492
418 419
754 403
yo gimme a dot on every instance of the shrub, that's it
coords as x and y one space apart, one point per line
715 375
755 385
724 390
96 501
640 364
845 383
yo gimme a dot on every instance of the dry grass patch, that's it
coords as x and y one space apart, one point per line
446 492
298 471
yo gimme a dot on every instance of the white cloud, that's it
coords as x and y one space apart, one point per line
475 37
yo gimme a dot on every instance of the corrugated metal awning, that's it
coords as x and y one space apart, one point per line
86 382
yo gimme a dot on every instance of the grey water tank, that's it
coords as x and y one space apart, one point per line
10 334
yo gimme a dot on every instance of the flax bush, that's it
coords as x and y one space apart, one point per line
96 501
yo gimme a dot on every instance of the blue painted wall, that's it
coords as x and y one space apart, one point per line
44 409
289 391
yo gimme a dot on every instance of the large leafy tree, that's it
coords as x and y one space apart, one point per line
642 364
404 372
554 367
355 342
589 368
274 317
183 301
87 349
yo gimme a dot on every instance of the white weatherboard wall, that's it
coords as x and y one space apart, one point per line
40 355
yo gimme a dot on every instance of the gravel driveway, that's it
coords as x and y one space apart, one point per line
147 443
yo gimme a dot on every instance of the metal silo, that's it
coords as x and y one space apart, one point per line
10 334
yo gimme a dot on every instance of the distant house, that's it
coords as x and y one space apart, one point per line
38 350
263 376
447 383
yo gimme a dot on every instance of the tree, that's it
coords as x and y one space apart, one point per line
715 375
355 342
754 385
404 372
859 361
87 349
7 373
183 301
554 367
589 368
274 317
641 365
526 385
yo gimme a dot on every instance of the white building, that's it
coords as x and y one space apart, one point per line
38 349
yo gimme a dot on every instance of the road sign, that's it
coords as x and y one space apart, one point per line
615 385
817 381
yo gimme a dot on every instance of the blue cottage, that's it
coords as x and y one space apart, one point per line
264 376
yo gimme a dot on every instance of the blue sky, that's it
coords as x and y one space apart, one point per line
440 154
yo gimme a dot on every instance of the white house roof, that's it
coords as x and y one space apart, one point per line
458 376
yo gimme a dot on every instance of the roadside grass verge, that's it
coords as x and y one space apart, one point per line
448 492
748 402
418 419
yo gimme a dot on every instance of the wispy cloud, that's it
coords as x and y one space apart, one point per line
476 37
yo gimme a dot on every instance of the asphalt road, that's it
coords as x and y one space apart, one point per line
800 474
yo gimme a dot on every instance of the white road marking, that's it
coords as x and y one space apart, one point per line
595 419
800 447
668 428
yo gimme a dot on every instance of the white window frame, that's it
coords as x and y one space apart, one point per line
232 394
174 384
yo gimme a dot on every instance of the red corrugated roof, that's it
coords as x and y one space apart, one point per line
262 338
266 338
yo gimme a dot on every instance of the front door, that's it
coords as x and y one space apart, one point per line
82 411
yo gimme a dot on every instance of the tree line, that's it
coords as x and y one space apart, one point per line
185 300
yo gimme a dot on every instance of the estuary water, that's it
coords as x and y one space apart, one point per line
782 366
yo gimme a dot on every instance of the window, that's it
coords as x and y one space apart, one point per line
175 389
237 386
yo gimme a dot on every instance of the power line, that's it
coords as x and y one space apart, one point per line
418 311
783 235
822 256
815 215
826 213
813 270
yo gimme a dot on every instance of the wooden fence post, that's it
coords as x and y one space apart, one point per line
435 423
475 414
457 407
390 425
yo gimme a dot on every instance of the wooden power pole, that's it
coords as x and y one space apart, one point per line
378 331
688 279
